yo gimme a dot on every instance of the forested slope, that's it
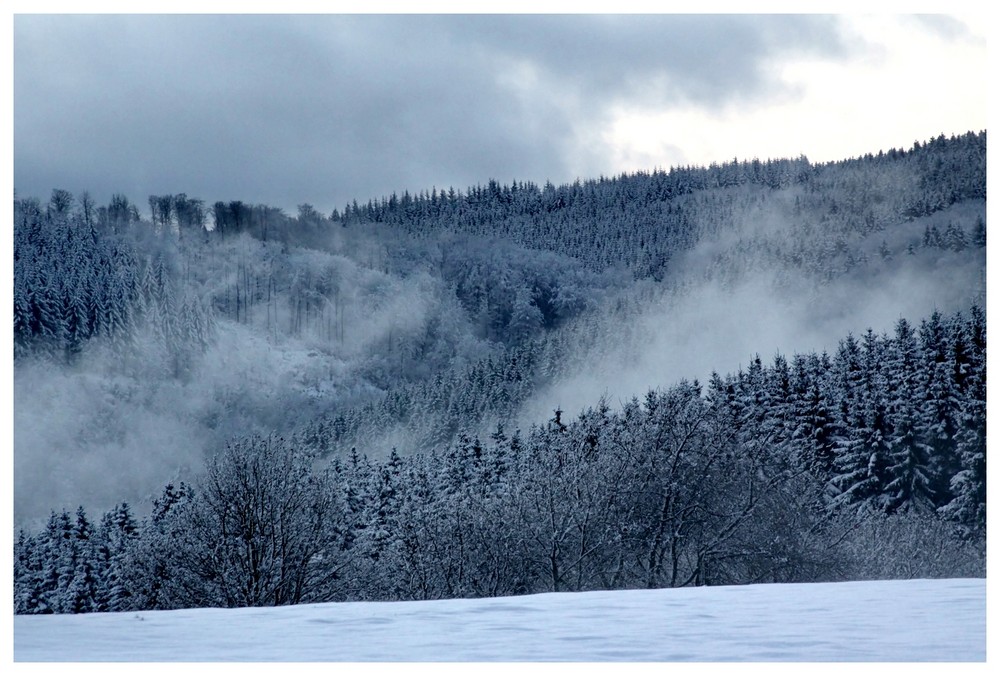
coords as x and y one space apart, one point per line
411 350
812 468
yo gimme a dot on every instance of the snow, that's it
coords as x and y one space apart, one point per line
909 621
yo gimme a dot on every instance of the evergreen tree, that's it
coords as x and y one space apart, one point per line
939 406
968 483
909 488
861 446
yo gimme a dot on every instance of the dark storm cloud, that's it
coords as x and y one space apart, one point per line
705 59
324 109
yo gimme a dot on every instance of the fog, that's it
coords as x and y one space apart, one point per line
113 427
698 327
110 428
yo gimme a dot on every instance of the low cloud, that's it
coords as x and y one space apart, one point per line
710 326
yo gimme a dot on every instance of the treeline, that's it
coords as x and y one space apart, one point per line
643 220
70 281
862 464
520 258
889 423
82 273
79 277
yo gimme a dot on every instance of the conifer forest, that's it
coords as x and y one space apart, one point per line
756 371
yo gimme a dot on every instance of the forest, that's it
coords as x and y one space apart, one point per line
504 390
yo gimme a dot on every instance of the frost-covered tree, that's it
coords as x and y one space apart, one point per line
968 484
261 529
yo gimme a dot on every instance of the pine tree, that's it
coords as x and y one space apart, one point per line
939 406
968 484
28 573
81 593
116 535
815 423
909 487
860 448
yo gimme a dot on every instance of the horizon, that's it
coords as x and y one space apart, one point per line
464 190
286 110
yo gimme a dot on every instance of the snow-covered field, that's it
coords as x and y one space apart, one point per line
914 620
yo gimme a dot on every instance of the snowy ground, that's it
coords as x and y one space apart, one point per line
915 620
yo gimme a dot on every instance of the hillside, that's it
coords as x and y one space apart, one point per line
305 324
578 364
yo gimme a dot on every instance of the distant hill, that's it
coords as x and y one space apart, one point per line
463 359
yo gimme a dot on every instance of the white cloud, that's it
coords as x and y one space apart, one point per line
901 82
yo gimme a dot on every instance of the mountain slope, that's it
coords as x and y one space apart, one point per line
408 322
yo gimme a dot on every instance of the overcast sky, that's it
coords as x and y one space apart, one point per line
325 109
